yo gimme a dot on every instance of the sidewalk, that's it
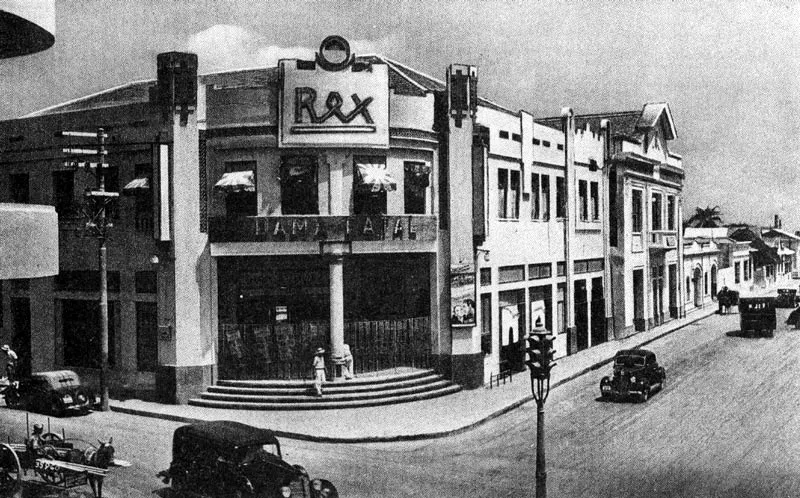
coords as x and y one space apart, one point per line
416 420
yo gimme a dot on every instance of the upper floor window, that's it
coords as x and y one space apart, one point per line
299 185
594 193
417 179
545 197
583 200
636 211
670 212
536 212
508 193
561 198
241 201
19 187
656 203
503 134
143 216
371 182
63 191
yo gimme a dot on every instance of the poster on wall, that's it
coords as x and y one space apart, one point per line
462 295
537 315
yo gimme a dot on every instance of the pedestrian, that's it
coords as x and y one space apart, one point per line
11 362
319 371
348 363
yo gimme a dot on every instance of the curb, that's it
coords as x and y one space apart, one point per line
426 435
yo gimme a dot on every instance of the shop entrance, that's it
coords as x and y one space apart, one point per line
638 300
512 330
657 278
581 315
598 312
673 291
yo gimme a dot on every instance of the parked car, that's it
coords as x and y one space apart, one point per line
636 373
787 298
57 393
225 458
757 314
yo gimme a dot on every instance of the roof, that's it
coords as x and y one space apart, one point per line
633 352
626 124
777 232
226 433
59 379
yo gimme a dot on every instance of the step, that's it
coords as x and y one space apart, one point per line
348 386
323 403
306 397
357 381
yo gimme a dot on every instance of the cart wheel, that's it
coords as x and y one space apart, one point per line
10 470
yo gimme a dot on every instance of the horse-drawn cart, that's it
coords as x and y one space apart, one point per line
56 462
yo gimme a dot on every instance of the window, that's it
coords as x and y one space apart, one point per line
543 293
536 141
581 266
85 281
111 184
508 189
594 193
561 311
705 283
536 197
146 337
541 270
670 212
146 282
242 202
560 146
80 321
561 198
636 211
486 323
656 209
63 191
746 270
366 199
545 197
508 274
415 186
19 189
516 137
503 134
545 143
486 276
298 177
736 268
689 289
143 217
560 269
583 200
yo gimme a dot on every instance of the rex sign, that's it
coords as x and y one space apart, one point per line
334 105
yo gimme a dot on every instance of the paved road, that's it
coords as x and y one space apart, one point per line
727 424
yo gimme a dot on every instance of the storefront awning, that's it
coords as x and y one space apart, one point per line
236 181
375 177
137 185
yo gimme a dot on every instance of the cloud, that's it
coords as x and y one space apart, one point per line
226 46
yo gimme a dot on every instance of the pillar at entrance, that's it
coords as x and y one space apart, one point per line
334 252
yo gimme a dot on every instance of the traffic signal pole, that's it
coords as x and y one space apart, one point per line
541 470
540 362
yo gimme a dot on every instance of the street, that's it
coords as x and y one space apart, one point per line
725 425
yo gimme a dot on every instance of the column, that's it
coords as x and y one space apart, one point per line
336 269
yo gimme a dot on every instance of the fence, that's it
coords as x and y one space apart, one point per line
286 350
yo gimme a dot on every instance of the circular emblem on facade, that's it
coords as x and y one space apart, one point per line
334 53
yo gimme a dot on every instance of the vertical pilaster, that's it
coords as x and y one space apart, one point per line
568 128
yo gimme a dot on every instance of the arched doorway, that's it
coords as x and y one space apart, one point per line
697 279
713 281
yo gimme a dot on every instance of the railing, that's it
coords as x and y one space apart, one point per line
286 350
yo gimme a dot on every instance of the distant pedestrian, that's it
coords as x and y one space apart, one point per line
319 370
11 362
347 367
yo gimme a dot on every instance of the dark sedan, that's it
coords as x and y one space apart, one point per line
57 393
636 373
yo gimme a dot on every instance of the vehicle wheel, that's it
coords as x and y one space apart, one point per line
645 395
10 471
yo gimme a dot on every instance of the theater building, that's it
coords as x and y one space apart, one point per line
343 200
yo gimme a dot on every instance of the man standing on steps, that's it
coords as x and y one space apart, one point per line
347 366
319 371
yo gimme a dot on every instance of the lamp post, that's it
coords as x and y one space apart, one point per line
98 226
540 361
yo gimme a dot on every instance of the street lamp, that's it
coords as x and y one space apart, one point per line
540 362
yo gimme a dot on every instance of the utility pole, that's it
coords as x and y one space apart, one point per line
98 226
540 361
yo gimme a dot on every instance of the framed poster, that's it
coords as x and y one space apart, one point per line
462 296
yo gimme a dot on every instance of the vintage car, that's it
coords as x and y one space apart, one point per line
757 315
226 458
636 373
57 393
787 298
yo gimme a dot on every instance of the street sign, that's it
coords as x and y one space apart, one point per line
84 151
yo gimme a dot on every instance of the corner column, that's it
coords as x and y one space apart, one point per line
334 253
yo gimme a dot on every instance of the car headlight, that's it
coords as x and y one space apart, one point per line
286 491
82 398
633 378
66 399
316 485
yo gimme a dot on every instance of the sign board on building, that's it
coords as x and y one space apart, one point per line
334 102
462 295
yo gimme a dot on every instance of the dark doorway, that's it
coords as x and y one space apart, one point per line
581 315
657 279
714 282
146 337
598 307
638 300
81 322
673 291
21 342
512 330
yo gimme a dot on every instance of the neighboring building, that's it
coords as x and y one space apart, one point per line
764 258
701 265
645 184
734 268
787 245
342 200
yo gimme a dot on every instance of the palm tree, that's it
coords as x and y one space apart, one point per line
708 217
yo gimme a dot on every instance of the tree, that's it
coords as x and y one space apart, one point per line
708 217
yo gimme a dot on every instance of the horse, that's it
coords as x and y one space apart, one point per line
101 457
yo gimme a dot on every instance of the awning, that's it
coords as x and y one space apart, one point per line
137 185
236 181
784 251
375 177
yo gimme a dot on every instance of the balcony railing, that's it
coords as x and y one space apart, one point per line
312 228
664 239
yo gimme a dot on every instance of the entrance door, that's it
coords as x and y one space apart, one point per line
673 291
21 342
698 287
657 276
581 315
638 300
81 330
598 312
512 330
713 282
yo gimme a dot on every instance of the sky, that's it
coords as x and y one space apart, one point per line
730 70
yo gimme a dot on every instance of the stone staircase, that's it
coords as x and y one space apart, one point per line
299 394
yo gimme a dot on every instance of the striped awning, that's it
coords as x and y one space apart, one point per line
236 181
137 185
375 177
